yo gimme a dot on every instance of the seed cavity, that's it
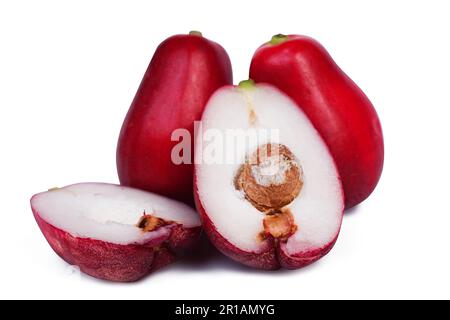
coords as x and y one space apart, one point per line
148 223
271 178
280 226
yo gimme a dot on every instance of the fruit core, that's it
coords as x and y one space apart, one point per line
270 179
280 225
148 223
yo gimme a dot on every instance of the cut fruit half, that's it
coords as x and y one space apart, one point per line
280 203
113 232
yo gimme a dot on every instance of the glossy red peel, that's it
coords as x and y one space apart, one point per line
183 73
340 111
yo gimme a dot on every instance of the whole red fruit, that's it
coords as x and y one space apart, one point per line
183 73
302 68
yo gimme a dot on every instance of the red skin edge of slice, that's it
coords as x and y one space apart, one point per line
337 107
115 262
182 75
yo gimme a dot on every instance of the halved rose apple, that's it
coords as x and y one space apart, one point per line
280 203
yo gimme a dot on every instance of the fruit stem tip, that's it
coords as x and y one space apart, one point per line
195 33
278 38
246 84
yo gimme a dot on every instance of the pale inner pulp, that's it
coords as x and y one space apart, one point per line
109 212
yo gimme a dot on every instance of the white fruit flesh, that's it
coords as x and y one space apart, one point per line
109 212
317 210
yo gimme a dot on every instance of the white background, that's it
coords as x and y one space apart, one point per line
68 73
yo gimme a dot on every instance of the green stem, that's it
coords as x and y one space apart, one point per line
247 84
278 38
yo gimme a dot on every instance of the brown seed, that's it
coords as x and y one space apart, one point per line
271 178
150 223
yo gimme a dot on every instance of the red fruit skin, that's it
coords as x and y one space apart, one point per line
340 111
273 256
114 262
183 73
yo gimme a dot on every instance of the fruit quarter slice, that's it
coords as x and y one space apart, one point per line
114 232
